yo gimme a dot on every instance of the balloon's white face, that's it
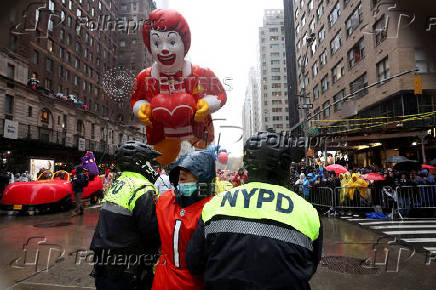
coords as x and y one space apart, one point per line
168 50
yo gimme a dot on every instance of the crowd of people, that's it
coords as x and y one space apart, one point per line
352 188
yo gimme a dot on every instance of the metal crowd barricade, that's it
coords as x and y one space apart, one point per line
321 196
416 196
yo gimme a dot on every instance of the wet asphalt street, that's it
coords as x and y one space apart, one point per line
40 252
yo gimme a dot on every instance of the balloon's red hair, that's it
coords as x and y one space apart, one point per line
166 20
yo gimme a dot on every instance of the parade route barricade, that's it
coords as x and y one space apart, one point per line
399 200
416 196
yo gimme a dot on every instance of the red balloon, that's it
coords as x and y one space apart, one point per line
223 157
173 111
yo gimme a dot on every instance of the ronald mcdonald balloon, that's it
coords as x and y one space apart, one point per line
173 97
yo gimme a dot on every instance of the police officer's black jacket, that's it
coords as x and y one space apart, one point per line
131 230
230 259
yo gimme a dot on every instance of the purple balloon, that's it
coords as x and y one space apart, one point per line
88 162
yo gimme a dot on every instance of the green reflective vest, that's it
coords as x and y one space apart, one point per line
259 201
127 188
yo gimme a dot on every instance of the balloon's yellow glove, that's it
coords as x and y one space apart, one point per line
144 115
202 111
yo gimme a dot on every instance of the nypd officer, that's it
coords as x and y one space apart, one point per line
259 235
126 239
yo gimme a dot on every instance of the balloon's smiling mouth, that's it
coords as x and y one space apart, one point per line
167 60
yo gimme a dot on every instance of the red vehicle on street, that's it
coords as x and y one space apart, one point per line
52 191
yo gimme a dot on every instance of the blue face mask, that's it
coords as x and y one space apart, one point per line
188 188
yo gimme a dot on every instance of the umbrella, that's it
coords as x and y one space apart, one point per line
424 166
373 176
408 165
337 168
396 159
433 162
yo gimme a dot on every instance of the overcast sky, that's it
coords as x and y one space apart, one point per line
225 39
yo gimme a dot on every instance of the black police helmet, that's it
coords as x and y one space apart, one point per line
136 156
267 157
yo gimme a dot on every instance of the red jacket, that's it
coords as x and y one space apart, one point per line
176 227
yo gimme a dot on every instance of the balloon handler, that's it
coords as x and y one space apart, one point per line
174 98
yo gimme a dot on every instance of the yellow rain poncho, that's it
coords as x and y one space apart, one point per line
345 179
357 183
222 185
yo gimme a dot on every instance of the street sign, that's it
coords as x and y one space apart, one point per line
418 85
305 106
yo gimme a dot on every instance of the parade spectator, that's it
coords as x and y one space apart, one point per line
163 183
80 180
239 178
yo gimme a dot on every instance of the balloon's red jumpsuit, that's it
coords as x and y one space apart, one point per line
173 100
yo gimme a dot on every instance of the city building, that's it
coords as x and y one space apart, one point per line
57 59
251 112
356 65
274 92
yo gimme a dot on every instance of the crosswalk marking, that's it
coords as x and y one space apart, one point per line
418 232
399 222
431 249
401 226
420 240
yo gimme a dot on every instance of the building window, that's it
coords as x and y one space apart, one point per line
274 45
35 58
50 45
336 43
338 100
323 58
383 69
68 57
122 43
12 42
337 71
321 34
76 80
310 5
313 47
275 69
320 11
275 62
61 52
380 30
275 78
326 109
49 65
354 20
61 72
69 39
11 71
44 116
298 29
273 29
358 84
357 53
315 69
62 35
79 126
425 62
325 83
303 20
276 85
69 21
29 111
312 26
334 15
316 92
9 104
